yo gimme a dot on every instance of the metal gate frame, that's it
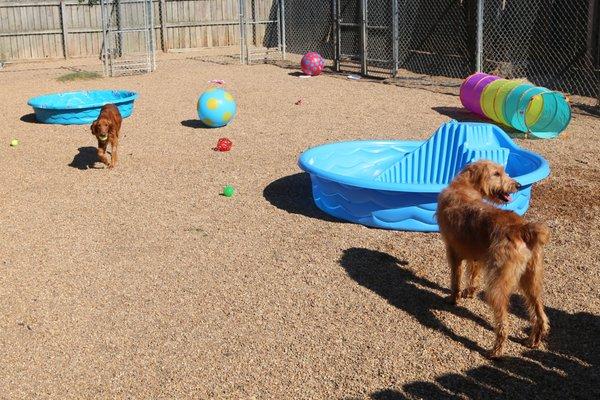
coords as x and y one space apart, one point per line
250 22
364 26
116 59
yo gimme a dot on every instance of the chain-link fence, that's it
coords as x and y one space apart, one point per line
308 27
550 43
437 37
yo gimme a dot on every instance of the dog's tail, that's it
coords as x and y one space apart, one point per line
535 234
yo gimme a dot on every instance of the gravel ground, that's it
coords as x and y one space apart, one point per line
144 282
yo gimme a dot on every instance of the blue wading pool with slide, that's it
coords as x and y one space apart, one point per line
394 184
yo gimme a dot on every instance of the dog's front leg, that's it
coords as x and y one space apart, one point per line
113 149
102 153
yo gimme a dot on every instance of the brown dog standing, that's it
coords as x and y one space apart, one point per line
106 129
508 248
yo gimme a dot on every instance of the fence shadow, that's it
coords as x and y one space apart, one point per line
293 194
566 369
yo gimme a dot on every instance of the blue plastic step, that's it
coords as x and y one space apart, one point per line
445 153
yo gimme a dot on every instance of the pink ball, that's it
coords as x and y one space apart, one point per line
312 63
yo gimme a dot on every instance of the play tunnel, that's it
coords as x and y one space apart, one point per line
542 112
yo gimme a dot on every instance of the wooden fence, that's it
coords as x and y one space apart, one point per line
51 29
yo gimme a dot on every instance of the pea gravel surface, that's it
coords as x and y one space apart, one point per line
145 282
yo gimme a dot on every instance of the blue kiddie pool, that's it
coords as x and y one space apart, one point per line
78 108
395 184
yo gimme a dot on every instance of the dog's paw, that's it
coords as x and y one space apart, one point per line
537 335
468 293
495 354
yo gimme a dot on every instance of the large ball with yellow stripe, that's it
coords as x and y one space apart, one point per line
216 107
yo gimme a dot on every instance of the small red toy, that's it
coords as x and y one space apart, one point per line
223 144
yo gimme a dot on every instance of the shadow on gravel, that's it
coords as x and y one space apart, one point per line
568 368
386 276
85 159
293 193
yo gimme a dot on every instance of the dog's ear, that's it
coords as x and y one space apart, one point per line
94 127
472 171
478 174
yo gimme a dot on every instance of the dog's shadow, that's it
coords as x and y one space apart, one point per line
386 276
85 159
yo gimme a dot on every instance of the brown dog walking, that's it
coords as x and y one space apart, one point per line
504 245
106 129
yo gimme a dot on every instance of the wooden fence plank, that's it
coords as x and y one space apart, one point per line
31 29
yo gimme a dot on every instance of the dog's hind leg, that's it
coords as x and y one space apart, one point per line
473 268
455 274
531 285
500 285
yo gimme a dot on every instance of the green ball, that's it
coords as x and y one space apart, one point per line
228 191
14 142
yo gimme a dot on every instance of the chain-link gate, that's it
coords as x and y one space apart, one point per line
378 37
364 33
262 30
128 39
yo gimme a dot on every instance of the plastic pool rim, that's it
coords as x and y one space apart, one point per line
541 172
48 110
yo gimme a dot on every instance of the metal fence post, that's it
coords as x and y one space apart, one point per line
282 24
163 23
119 27
395 37
65 29
104 37
152 31
279 48
363 37
335 11
242 32
479 50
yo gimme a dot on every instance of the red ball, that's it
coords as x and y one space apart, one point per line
223 144
312 63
